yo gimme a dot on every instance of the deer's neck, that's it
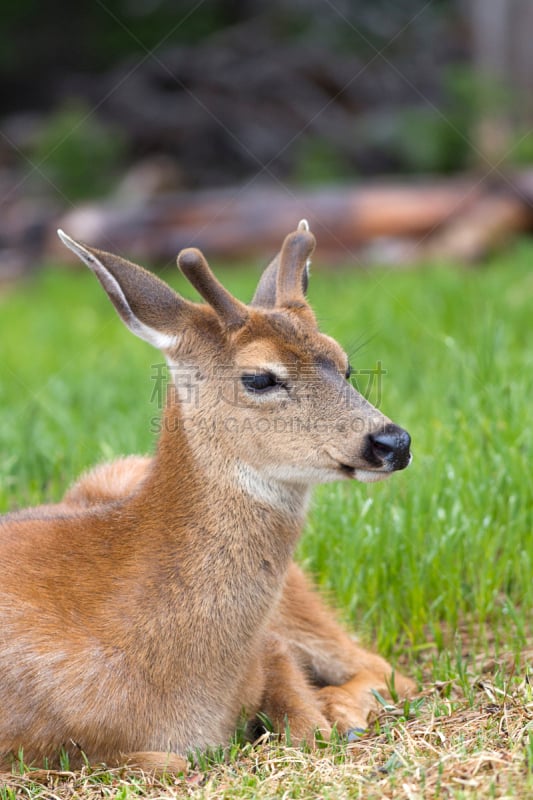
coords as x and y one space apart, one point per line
210 501
226 537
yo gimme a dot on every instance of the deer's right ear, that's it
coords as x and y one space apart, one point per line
150 309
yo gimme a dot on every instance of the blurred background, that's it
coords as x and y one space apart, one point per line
400 128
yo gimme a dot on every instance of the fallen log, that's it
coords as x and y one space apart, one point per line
486 226
237 223
448 219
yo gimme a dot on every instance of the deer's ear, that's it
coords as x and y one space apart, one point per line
265 293
150 309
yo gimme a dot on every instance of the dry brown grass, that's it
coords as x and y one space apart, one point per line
461 739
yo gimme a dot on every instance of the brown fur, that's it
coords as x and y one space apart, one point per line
316 675
142 626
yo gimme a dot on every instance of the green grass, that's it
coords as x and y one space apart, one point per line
434 566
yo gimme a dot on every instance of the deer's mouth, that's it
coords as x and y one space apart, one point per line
364 475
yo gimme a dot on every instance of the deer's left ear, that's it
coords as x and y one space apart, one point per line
148 306
265 294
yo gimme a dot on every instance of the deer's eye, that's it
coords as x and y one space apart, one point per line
260 382
348 372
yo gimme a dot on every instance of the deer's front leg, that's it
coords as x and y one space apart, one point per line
349 706
288 700
343 672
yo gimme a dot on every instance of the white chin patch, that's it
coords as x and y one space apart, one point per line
366 476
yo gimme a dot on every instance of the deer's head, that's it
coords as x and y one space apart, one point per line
258 385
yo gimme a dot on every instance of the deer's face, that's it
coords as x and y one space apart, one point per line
278 399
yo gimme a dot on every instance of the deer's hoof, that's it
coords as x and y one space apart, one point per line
354 734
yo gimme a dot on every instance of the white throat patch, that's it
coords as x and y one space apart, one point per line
273 493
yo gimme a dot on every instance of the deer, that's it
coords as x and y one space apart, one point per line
158 603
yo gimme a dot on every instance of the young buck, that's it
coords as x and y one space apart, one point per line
137 626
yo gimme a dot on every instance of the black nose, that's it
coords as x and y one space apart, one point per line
389 447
